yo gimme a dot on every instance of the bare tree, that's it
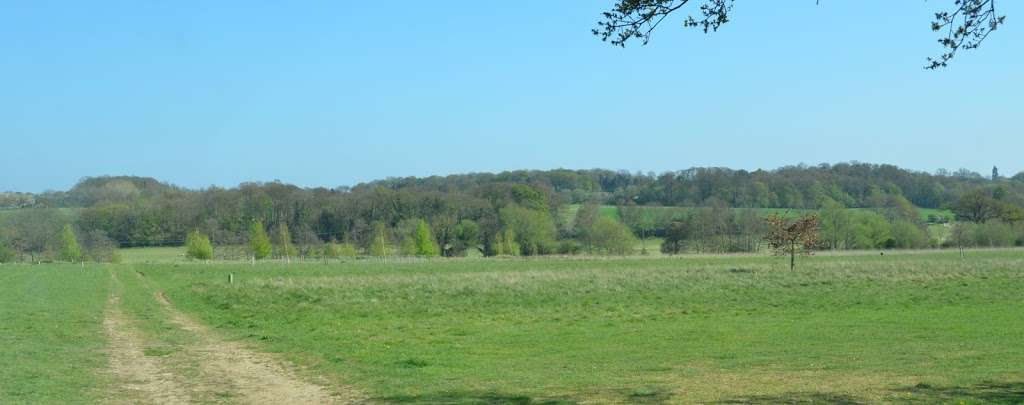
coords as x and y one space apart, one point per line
964 27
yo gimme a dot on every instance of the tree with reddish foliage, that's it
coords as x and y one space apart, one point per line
792 237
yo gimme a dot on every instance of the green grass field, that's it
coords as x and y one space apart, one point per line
51 334
923 327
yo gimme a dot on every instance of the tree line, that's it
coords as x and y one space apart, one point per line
861 206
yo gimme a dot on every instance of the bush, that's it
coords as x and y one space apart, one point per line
197 246
569 247
676 235
992 234
611 236
907 235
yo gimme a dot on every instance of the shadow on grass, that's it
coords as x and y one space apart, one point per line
797 398
474 398
989 393
642 395
986 393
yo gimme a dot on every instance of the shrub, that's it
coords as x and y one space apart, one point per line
198 246
611 236
907 235
569 247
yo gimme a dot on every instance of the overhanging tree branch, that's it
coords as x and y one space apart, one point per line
966 26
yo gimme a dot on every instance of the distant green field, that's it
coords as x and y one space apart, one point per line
569 212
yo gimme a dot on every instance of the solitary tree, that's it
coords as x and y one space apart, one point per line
259 243
792 237
70 250
198 246
964 27
425 244
285 248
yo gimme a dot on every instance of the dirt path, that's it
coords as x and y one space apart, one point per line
221 371
257 378
144 379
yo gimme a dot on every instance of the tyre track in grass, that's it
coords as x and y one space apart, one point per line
254 377
139 378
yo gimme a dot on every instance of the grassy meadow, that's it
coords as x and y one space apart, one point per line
51 333
919 327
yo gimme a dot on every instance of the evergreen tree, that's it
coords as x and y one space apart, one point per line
259 243
70 250
424 239
198 246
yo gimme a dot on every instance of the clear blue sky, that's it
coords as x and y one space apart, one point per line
337 92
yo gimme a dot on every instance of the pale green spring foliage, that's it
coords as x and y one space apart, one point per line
259 243
425 243
198 246
70 250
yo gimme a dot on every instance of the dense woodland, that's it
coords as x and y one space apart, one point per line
861 206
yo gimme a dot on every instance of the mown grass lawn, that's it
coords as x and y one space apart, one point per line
913 326
51 334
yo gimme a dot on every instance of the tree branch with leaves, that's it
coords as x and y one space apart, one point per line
965 26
